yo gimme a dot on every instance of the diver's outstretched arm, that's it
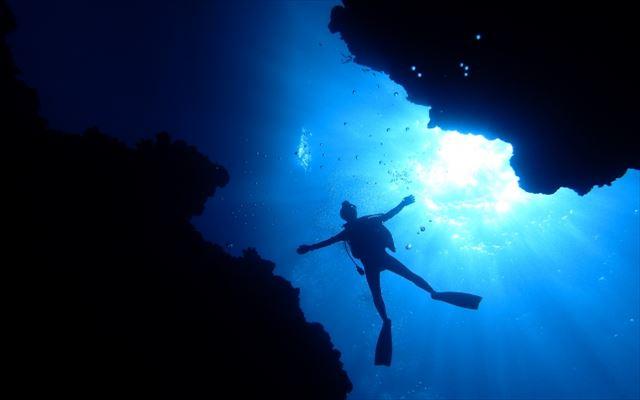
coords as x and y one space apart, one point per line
392 213
305 248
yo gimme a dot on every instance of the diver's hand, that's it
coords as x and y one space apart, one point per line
408 200
303 249
360 270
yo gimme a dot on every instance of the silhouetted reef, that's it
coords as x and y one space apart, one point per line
112 292
556 84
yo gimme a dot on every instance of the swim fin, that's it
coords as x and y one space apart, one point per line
465 300
384 346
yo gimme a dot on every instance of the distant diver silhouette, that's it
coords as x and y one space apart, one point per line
368 240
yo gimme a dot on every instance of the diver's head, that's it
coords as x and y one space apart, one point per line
348 211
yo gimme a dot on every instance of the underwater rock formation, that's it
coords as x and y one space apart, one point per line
558 85
113 293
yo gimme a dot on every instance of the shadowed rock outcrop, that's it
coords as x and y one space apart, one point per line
113 293
558 85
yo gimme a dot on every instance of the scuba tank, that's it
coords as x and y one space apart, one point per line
367 235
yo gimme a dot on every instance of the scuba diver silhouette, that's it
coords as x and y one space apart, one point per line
368 240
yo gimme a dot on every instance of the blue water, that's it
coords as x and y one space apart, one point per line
265 91
559 273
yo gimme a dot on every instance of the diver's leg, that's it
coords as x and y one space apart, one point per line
396 266
373 279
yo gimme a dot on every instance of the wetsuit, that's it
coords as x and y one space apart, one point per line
375 259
